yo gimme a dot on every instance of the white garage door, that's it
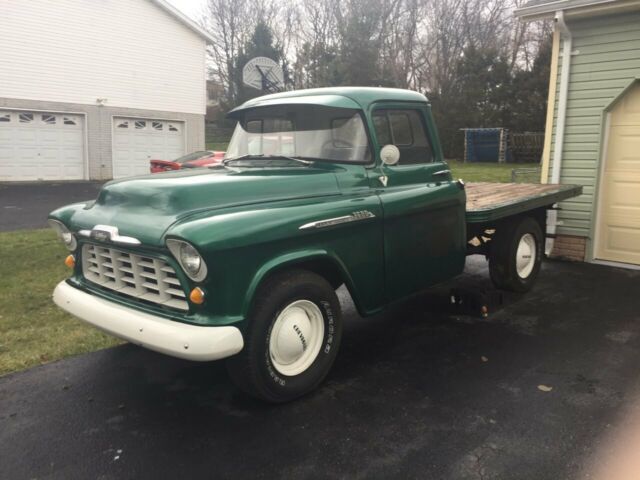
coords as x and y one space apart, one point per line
136 141
41 146
619 223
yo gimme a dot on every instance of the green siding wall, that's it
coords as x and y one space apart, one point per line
606 60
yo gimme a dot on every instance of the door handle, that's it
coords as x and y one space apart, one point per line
441 172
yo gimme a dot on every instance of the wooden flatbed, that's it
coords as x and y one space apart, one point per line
487 202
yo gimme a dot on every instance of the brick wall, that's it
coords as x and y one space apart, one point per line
569 247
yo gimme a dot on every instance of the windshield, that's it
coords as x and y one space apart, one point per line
192 156
310 132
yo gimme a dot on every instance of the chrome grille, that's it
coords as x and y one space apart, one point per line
145 278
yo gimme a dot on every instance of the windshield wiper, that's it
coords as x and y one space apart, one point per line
262 156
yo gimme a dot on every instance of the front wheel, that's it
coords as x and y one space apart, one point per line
291 339
516 255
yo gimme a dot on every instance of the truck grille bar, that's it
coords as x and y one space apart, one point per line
145 278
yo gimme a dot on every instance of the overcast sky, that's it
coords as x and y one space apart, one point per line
190 7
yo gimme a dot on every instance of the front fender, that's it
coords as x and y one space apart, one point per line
292 259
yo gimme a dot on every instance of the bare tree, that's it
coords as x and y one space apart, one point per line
229 24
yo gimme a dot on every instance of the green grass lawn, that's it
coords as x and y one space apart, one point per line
217 145
486 172
33 330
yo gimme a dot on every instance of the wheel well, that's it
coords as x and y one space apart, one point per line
320 266
325 268
477 231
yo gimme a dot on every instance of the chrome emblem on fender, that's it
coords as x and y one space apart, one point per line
328 222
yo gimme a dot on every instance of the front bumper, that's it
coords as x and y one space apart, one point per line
173 338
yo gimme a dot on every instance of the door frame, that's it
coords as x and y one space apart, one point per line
85 133
598 187
142 117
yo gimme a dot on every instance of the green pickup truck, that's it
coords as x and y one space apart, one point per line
319 188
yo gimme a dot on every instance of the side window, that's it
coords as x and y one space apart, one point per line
381 126
406 130
401 128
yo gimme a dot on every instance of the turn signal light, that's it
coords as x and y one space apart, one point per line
70 261
197 296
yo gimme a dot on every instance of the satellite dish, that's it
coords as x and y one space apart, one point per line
262 73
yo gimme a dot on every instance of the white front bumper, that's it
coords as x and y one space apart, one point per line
150 331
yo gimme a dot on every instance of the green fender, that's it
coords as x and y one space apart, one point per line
289 260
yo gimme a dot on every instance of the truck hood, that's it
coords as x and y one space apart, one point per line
145 207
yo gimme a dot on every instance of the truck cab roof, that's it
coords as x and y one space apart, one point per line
344 97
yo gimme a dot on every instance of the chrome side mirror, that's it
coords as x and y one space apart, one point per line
390 154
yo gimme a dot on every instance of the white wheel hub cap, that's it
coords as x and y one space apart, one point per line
296 337
526 255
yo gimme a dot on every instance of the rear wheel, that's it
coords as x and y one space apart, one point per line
292 337
516 255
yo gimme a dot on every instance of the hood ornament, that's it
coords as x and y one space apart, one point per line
107 233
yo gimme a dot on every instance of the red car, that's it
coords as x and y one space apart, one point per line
203 158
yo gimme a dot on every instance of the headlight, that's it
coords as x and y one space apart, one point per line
64 234
189 259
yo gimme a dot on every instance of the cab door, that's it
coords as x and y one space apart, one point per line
424 210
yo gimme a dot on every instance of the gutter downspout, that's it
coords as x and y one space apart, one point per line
567 45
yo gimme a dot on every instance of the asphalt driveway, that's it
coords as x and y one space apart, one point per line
26 205
547 387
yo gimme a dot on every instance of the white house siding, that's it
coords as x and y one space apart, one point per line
130 52
606 60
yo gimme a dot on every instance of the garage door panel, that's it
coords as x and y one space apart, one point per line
6 134
624 149
71 170
49 157
71 138
26 154
27 171
26 136
50 171
137 141
72 155
622 244
6 152
140 140
41 146
623 192
48 136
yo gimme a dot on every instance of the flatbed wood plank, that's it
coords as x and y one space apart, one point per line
491 201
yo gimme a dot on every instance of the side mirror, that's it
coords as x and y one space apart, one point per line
390 154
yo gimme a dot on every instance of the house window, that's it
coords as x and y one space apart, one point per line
140 124
156 125
26 117
69 121
48 119
124 124
5 117
173 128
